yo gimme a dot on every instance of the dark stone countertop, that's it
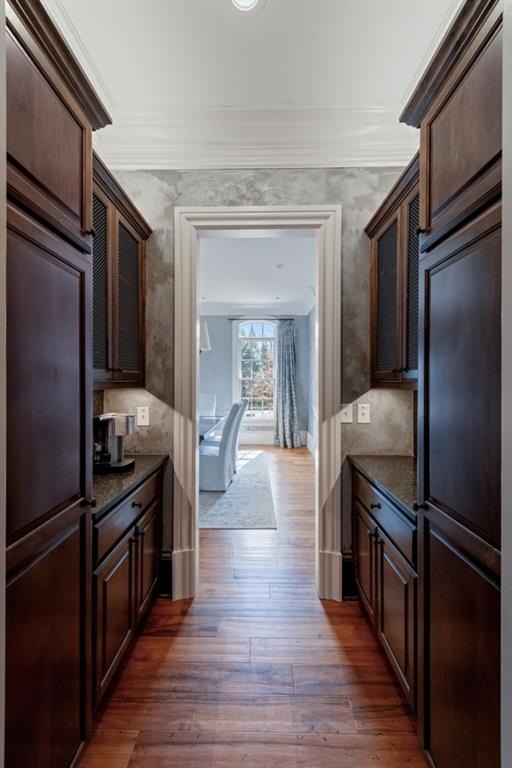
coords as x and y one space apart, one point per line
110 489
395 476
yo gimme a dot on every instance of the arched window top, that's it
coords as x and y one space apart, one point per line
257 329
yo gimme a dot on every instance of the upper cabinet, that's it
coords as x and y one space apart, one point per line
393 231
51 104
119 239
457 107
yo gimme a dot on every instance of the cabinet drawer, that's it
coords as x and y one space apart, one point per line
110 528
400 530
461 137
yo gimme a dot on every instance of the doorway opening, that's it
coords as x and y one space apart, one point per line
257 377
322 225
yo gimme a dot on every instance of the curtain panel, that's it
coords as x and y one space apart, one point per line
287 422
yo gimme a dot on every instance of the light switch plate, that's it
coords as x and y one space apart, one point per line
363 413
347 414
143 416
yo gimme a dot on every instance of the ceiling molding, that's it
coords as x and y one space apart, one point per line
214 138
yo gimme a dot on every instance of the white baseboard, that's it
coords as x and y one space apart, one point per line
329 576
257 437
184 575
310 442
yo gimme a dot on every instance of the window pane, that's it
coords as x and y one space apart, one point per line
268 330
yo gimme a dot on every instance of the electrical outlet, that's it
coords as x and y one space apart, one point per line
347 414
143 416
363 413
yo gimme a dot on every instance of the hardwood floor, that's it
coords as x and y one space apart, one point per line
256 671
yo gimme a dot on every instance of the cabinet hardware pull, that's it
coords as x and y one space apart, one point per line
137 504
90 231
375 505
417 506
374 535
420 231
89 502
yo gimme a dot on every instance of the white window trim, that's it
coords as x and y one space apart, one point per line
247 422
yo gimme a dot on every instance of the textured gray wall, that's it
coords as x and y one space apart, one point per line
156 193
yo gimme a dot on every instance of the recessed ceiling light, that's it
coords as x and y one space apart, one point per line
279 266
277 298
245 5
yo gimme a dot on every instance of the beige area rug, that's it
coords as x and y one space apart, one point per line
247 503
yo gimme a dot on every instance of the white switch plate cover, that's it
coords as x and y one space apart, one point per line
143 416
347 414
363 413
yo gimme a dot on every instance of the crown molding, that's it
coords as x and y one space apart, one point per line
215 138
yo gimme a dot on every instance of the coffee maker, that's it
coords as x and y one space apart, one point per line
109 429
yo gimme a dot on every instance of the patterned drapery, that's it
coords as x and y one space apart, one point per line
287 422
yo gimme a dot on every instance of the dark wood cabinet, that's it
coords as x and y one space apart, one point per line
396 623
457 106
119 243
148 543
51 112
126 550
384 557
114 591
365 538
394 235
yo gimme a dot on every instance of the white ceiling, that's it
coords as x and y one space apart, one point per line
238 273
199 84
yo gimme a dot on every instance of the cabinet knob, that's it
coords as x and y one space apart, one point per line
421 231
88 502
137 504
375 535
417 506
375 505
90 231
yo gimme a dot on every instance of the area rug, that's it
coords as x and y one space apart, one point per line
248 501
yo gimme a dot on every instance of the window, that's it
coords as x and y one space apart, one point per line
255 346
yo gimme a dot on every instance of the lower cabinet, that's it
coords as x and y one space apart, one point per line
115 592
396 612
125 577
387 582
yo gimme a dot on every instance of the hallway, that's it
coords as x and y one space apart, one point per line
256 671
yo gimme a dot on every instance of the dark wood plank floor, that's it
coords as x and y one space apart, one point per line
256 671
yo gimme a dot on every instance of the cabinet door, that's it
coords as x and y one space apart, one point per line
48 142
148 538
461 136
48 479
396 588
410 286
114 588
48 375
129 307
459 482
102 287
365 531
386 303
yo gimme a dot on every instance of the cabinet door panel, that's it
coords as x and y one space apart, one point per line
48 356
102 288
364 550
115 608
461 657
411 288
148 549
54 183
461 137
387 309
396 612
46 638
460 440
129 304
